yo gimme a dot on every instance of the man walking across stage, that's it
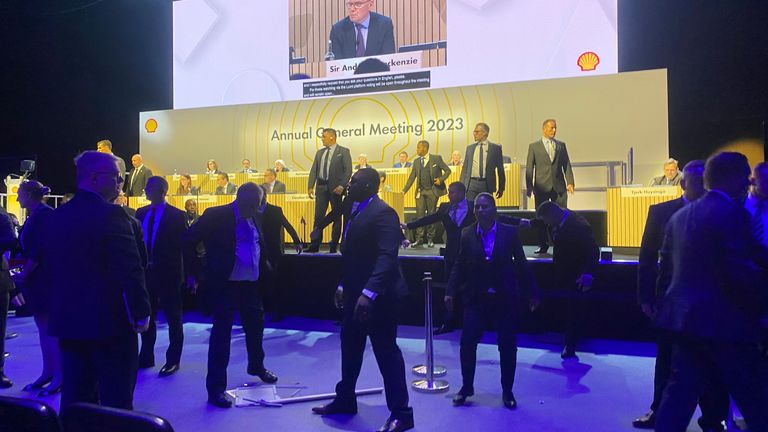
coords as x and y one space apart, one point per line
430 173
494 273
548 173
372 284
236 262
483 164
328 177
362 33
714 403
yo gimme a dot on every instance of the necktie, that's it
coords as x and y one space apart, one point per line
452 214
551 150
423 162
758 229
481 163
133 178
325 163
360 42
150 232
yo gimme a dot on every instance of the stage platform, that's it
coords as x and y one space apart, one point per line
608 386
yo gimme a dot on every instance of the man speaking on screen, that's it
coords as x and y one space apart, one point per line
362 33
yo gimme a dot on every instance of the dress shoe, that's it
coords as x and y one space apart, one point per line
460 398
49 391
5 382
541 250
145 363
416 244
509 400
335 408
169 369
313 249
11 335
38 384
443 329
264 374
568 353
648 421
6 354
430 244
219 400
396 425
332 249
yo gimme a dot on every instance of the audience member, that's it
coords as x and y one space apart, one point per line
7 243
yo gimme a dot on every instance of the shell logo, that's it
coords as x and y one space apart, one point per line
15 190
150 125
588 61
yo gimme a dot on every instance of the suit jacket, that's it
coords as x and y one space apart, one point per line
216 230
277 188
507 272
437 169
167 254
575 250
708 266
91 259
661 180
550 175
381 37
653 237
452 231
339 170
231 189
399 165
494 167
136 187
275 224
369 251
36 290
7 242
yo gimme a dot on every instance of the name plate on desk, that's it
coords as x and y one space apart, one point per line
256 176
208 199
394 170
298 174
650 191
397 62
298 198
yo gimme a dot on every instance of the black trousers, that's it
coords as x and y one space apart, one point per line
426 204
242 296
714 400
575 316
99 371
475 188
323 197
166 295
539 197
741 368
476 318
4 300
381 328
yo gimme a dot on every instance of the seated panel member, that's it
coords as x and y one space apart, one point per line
402 161
211 167
671 175
362 33
223 186
247 167
280 166
271 183
362 161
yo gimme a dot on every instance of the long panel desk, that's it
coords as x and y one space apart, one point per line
628 211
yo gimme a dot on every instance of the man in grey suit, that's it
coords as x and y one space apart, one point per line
362 33
713 299
548 173
137 177
430 173
671 175
271 183
482 165
330 172
224 187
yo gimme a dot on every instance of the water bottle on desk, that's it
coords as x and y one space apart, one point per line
329 54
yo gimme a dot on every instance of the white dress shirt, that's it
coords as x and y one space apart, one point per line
489 240
476 160
247 249
459 212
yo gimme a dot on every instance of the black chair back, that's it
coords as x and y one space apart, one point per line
84 417
27 415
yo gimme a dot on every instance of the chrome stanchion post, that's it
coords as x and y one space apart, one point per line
430 371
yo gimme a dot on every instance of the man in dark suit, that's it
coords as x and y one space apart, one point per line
105 146
223 186
548 173
271 183
714 404
483 165
236 264
575 261
372 284
328 177
713 301
491 266
98 293
430 173
402 161
362 33
163 226
137 177
7 242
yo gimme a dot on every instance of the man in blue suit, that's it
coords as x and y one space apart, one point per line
362 33
712 303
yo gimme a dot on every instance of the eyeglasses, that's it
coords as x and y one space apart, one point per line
357 4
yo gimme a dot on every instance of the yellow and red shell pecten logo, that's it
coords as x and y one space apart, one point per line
150 125
588 61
